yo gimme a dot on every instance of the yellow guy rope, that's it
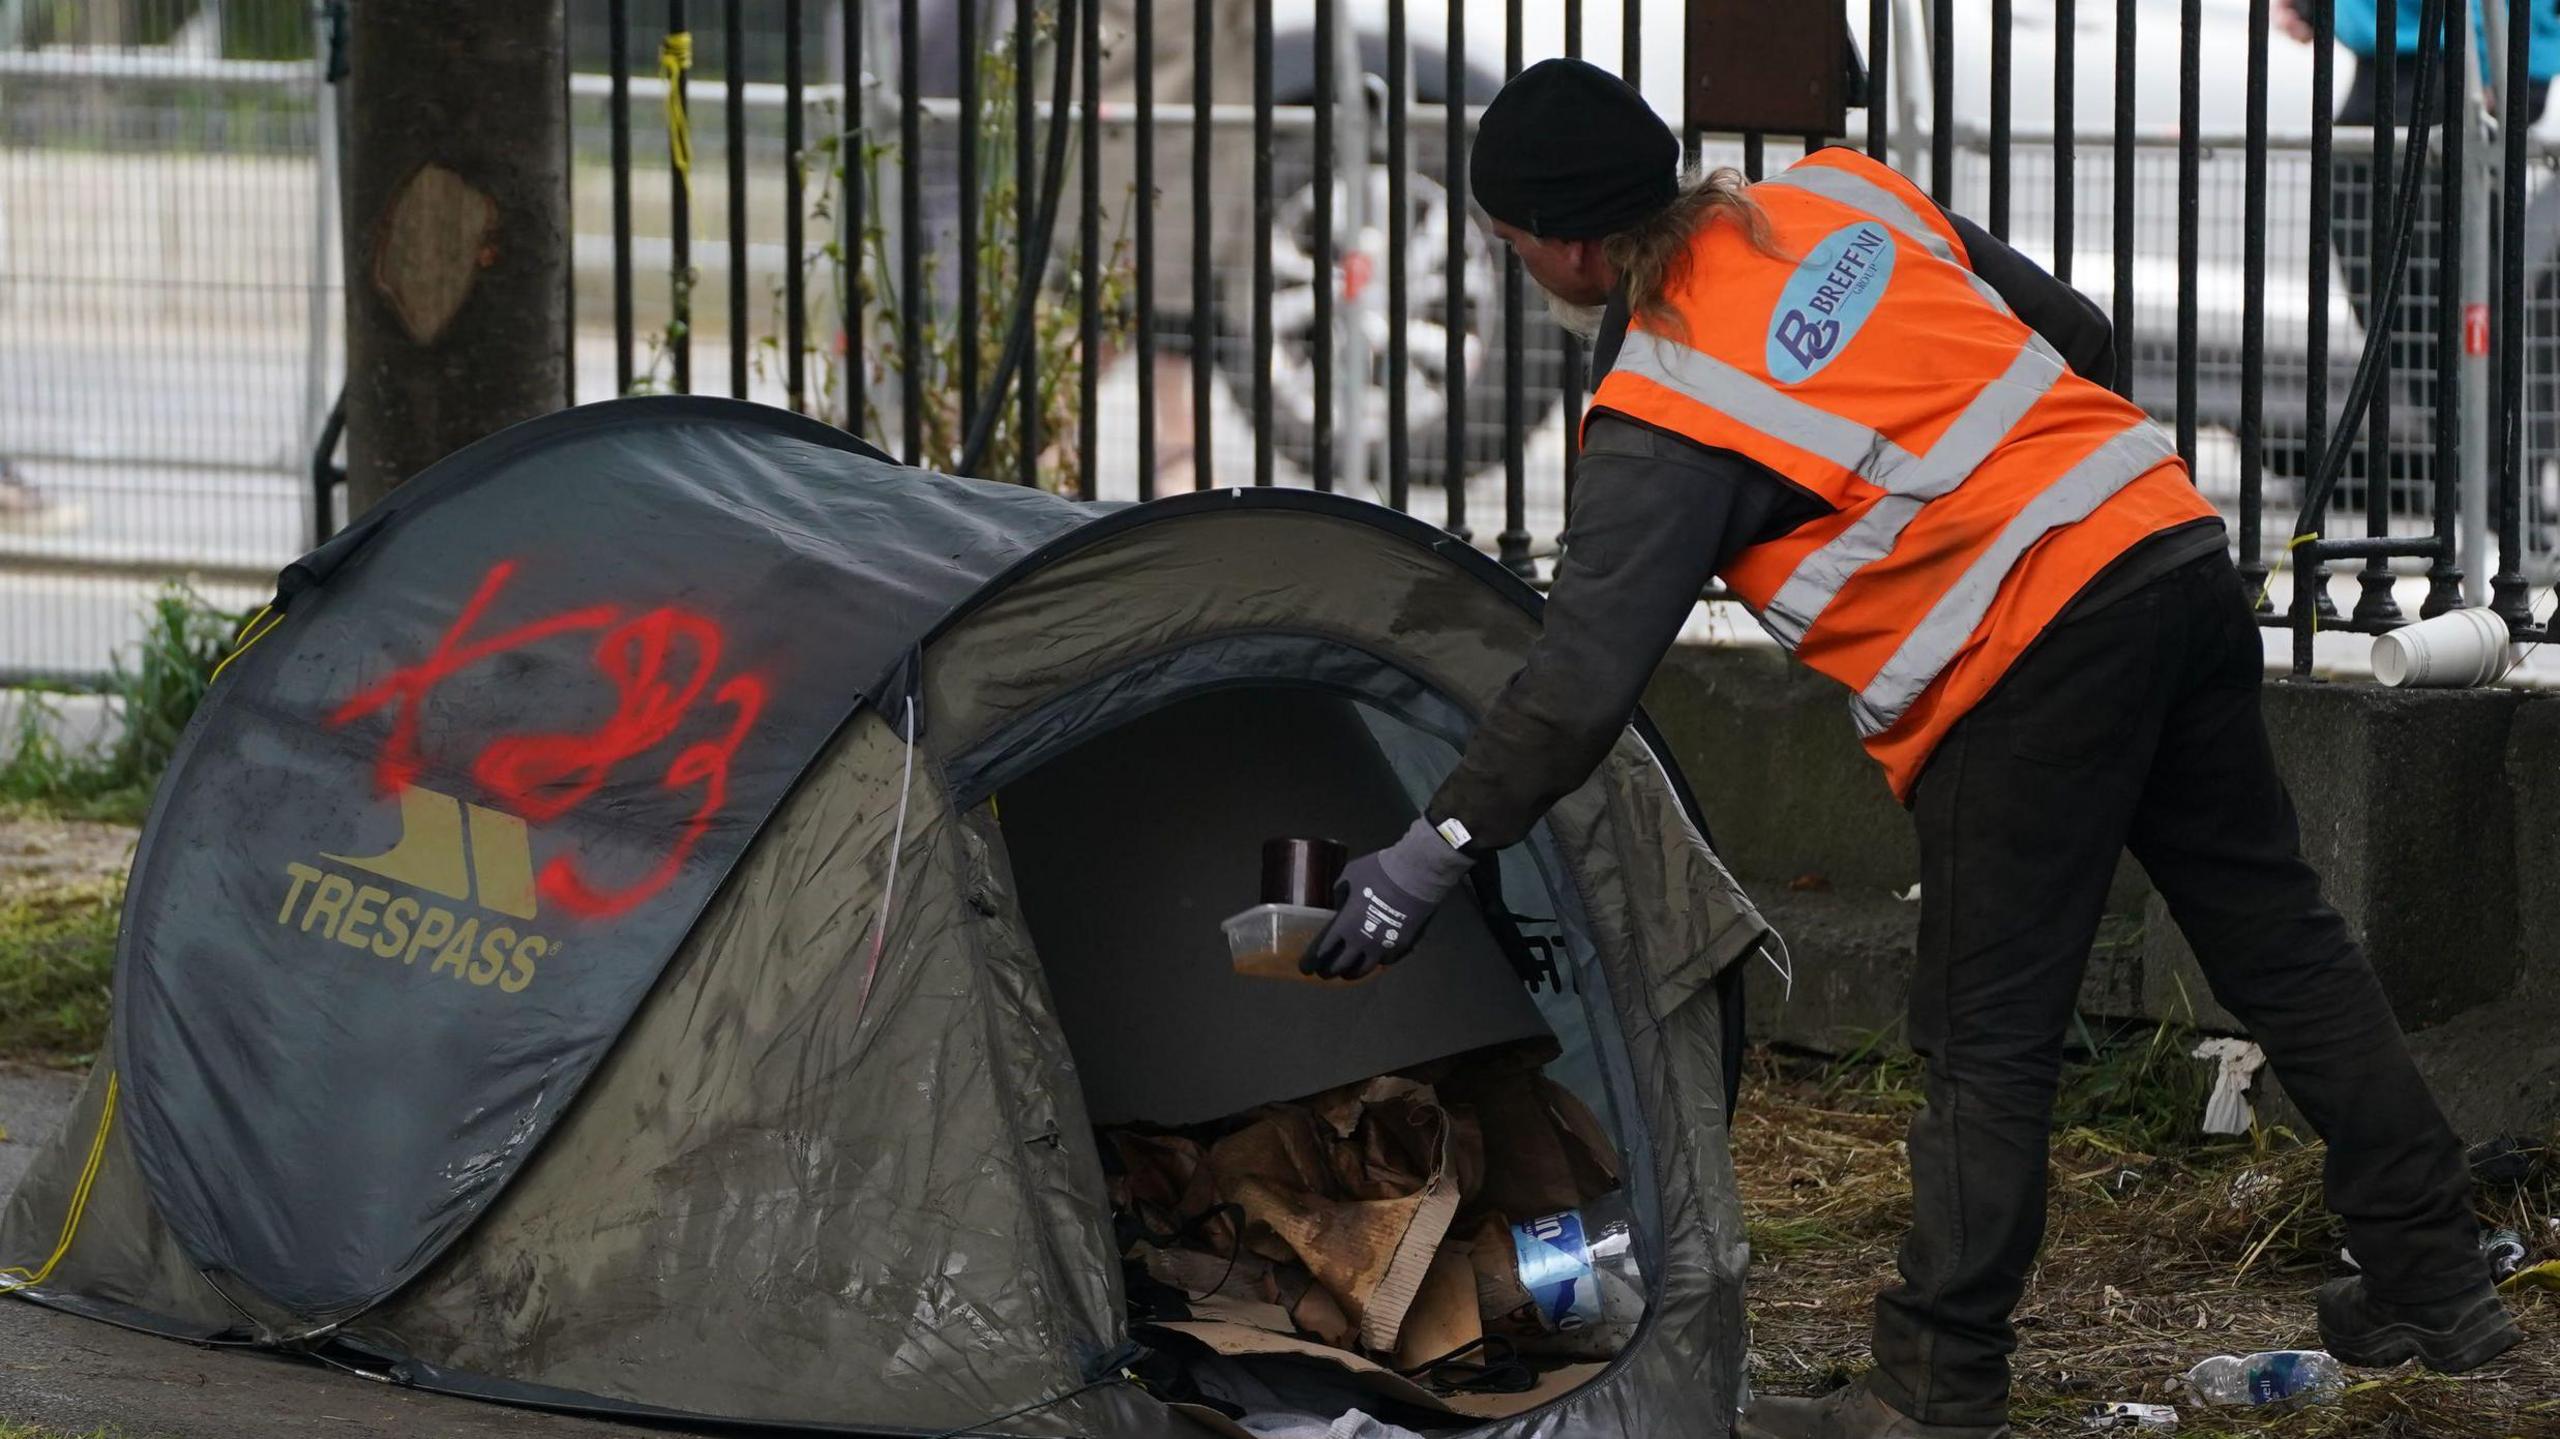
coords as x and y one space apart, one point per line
18 1277
675 57
250 634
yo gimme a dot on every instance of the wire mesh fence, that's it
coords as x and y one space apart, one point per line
2219 334
168 317
1305 296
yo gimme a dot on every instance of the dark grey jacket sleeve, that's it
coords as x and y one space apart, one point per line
2069 321
1654 518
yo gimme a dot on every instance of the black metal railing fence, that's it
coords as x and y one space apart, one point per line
1245 232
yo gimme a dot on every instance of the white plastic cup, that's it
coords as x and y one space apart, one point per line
2455 650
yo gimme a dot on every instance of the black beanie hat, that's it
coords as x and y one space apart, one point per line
1569 151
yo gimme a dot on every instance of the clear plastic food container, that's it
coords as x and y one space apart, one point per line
1268 941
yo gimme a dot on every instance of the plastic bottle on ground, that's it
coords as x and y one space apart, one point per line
2280 1376
1580 1266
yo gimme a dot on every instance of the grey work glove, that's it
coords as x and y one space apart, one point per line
1382 903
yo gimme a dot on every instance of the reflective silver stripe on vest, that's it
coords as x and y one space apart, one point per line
1941 635
1860 193
1883 206
1762 406
1994 411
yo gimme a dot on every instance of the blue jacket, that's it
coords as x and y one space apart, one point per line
2359 30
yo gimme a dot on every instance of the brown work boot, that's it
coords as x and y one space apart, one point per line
1848 1413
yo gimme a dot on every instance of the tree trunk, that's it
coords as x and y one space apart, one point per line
457 229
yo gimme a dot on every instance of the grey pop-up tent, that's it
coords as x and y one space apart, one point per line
651 926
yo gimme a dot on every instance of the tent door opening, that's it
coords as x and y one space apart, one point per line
1129 849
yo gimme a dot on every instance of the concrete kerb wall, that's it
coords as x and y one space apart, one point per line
2433 816
2406 811
2533 785
81 723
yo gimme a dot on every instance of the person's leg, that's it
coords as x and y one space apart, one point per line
2217 832
2022 815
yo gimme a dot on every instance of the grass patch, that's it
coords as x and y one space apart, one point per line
57 950
13 1429
125 806
184 640
2136 1086
58 906
42 777
2164 1247
2129 1086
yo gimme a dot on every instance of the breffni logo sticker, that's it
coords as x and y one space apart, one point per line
1828 300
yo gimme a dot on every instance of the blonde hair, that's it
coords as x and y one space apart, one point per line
1652 260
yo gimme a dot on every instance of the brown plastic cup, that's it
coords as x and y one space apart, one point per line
1301 871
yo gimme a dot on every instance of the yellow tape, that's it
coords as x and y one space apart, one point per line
2269 588
675 57
30 1278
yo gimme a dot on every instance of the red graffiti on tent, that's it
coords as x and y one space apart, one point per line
660 664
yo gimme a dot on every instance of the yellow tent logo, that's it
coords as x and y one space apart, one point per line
430 853
451 850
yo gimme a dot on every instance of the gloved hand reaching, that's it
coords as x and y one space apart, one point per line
1383 901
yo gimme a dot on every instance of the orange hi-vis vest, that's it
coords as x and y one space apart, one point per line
1976 484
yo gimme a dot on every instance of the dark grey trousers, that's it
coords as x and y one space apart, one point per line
2137 726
